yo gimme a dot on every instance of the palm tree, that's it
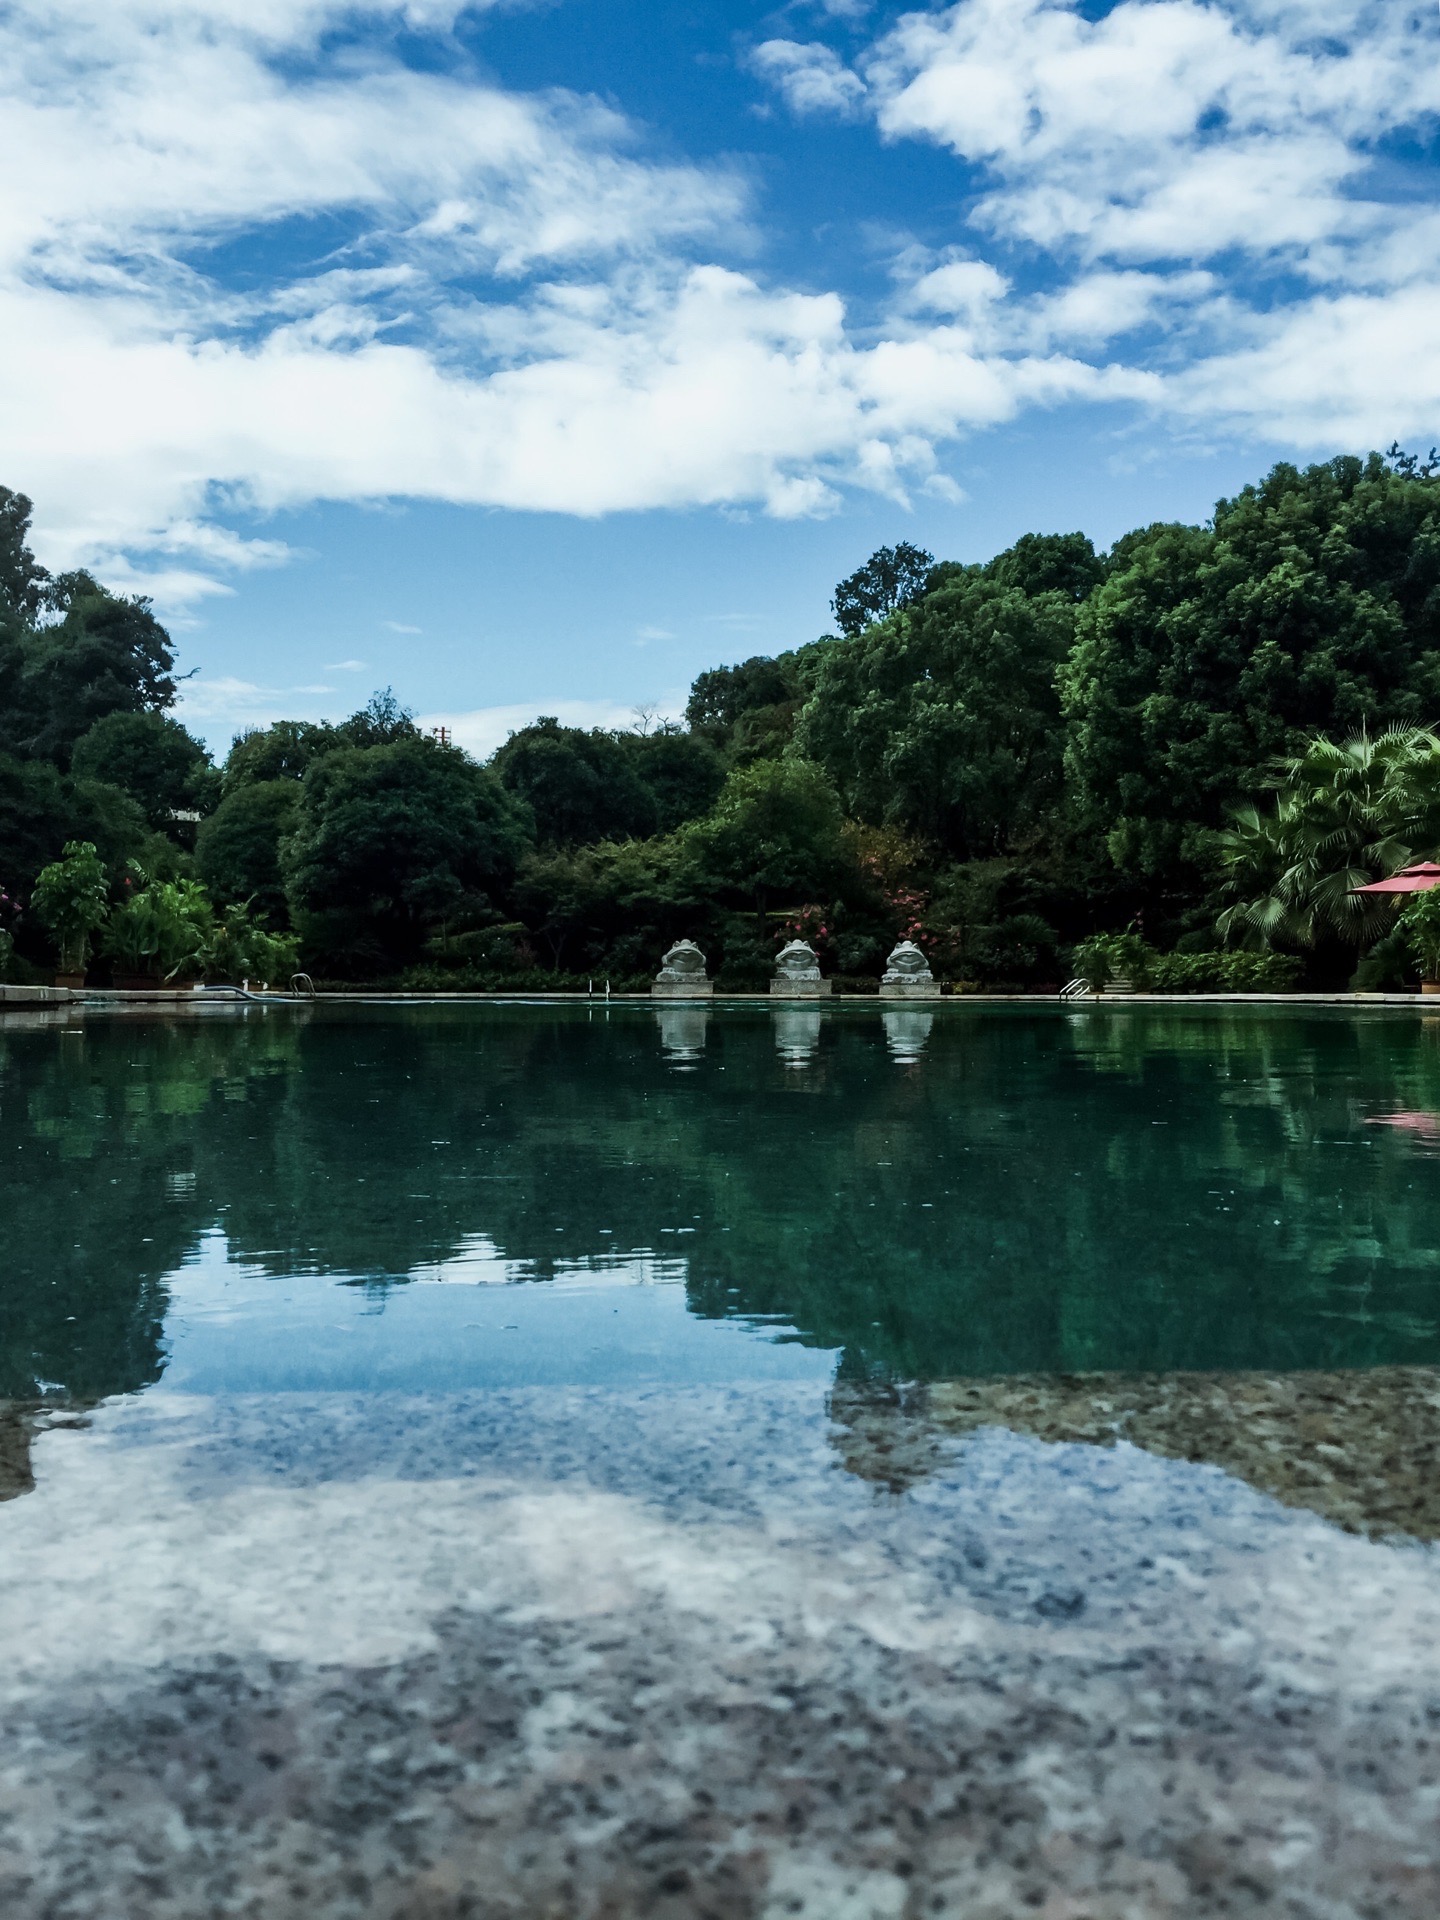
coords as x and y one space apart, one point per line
1345 814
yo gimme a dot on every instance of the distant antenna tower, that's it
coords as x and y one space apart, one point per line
442 734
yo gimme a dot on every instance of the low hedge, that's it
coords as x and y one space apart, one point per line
1104 956
442 980
1234 972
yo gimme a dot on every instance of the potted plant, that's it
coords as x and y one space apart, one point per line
161 933
71 900
1421 923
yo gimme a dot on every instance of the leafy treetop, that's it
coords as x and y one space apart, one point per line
890 579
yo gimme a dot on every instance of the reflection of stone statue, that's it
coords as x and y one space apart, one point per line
797 973
797 1034
682 974
906 1033
682 1034
907 975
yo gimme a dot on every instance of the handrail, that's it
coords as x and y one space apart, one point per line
302 986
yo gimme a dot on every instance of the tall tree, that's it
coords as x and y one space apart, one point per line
893 577
151 757
238 848
1312 603
106 655
1064 563
381 721
580 786
682 772
22 579
398 840
944 719
41 808
775 834
281 751
722 696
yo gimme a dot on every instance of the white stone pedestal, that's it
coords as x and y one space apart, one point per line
683 990
801 989
910 990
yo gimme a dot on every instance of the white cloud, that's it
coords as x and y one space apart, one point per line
358 666
1100 307
219 703
482 729
1143 153
1324 375
517 306
699 387
1166 129
812 78
145 397
965 289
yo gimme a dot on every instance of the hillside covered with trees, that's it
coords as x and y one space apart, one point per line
1198 743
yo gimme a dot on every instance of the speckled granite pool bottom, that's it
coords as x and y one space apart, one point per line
542 1654
1359 1446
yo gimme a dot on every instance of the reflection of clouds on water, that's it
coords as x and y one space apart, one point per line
304 1586
906 1031
797 1034
682 1034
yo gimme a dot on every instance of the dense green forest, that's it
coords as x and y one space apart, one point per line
1176 758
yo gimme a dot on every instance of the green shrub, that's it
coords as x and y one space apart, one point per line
1388 967
430 979
71 900
240 949
855 983
504 949
1233 972
1098 960
1421 922
165 928
1106 956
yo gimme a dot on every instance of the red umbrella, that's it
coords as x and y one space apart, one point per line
1417 878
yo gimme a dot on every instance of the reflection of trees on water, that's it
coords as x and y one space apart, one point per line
102 1129
1136 1189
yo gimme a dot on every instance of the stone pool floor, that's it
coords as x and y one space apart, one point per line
588 1655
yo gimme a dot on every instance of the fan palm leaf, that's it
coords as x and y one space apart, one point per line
1345 813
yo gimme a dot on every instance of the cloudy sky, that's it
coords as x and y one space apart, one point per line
534 356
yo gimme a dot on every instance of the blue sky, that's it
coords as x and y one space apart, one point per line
532 357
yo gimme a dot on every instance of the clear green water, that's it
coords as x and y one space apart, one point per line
526 1194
